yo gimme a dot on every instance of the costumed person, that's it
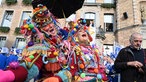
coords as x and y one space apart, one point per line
84 61
19 51
3 57
43 55
12 56
108 61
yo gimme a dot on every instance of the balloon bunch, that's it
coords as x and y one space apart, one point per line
31 32
27 27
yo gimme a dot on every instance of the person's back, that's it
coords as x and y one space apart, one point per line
3 58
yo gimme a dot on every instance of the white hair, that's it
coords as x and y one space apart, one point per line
133 35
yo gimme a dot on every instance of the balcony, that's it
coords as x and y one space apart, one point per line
11 2
4 29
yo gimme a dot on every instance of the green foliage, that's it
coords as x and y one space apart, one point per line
11 2
108 5
4 29
17 30
27 2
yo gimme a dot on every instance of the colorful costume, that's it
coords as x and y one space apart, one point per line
3 57
85 61
43 54
53 54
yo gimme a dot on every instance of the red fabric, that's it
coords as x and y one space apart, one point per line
52 66
20 74
73 66
38 62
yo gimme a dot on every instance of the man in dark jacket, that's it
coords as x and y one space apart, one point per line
130 61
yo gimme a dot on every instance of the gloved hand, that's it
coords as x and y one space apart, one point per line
7 76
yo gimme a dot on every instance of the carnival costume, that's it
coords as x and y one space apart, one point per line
85 61
43 54
3 57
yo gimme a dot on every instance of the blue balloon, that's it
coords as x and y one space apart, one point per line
33 30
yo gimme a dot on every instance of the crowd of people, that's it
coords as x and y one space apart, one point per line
56 54
9 55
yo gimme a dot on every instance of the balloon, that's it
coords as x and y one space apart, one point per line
29 29
33 30
22 27
31 26
22 31
26 26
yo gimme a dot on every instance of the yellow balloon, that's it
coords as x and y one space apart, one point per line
26 26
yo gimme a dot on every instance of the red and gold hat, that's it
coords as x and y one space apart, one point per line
42 16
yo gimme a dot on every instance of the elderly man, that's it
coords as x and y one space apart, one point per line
130 61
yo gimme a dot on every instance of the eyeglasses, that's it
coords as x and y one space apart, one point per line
138 41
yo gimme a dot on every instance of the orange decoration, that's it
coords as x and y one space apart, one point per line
96 70
82 66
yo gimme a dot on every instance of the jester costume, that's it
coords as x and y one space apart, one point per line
43 54
85 62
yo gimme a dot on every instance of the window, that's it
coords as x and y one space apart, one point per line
2 41
90 1
90 18
25 15
20 43
108 22
7 18
0 2
108 1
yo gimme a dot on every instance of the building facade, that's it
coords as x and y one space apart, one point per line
112 21
130 18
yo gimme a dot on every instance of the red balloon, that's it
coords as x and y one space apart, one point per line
22 27
22 31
